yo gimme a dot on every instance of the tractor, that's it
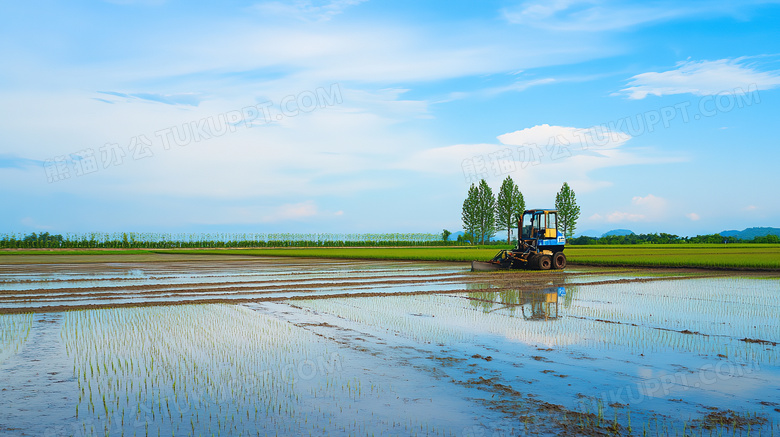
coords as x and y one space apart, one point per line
539 245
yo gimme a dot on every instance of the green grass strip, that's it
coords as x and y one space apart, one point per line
380 253
733 256
749 256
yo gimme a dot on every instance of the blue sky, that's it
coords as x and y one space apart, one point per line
374 116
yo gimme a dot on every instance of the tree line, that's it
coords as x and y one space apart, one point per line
664 238
152 240
483 214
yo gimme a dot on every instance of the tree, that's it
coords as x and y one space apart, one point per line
470 214
43 240
509 207
568 211
486 210
584 239
479 218
445 235
466 237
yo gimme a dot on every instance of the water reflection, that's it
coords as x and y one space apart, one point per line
542 304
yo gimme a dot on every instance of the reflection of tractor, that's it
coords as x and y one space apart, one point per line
534 305
539 245
542 305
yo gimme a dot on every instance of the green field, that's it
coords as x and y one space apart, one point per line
385 253
737 256
750 256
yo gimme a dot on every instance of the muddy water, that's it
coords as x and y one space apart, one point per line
52 287
385 348
62 287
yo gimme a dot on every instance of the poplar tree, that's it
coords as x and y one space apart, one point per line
486 211
509 207
470 215
568 211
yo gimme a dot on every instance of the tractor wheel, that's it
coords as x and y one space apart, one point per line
559 261
544 262
532 262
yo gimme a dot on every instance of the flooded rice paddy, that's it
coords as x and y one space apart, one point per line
303 347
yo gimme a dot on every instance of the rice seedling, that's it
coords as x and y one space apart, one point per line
688 320
263 368
14 332
199 370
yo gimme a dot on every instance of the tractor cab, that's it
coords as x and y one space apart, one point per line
539 228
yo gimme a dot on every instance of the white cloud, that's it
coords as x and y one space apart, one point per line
530 150
189 99
532 160
620 217
227 55
294 211
606 15
137 2
693 216
306 211
32 223
650 202
518 86
329 151
650 208
703 78
589 15
306 10
236 60
583 139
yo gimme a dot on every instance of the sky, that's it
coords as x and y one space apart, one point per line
357 116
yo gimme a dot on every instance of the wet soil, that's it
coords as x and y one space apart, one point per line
62 287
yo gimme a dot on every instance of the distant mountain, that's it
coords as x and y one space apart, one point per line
617 232
454 236
588 233
751 233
